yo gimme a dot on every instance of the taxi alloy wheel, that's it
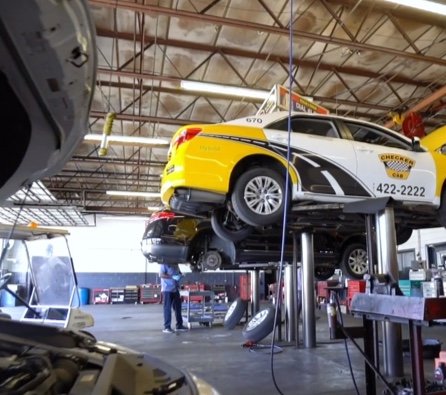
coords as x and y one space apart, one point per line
258 196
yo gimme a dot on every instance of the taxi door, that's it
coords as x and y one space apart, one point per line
326 163
390 167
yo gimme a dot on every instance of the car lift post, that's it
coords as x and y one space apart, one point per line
291 314
383 210
255 291
387 263
308 299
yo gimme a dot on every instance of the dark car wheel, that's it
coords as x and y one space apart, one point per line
354 262
323 272
211 260
226 225
259 196
235 313
259 326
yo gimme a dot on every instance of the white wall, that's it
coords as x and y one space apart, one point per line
423 237
111 246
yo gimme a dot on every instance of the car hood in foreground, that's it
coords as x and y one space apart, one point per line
47 78
50 360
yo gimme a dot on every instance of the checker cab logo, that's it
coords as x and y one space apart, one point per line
397 166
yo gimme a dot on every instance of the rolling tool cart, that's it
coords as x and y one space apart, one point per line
197 306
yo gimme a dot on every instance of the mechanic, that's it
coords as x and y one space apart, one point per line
170 276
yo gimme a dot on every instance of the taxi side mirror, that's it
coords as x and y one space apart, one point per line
416 146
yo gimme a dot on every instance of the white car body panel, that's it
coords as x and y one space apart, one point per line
344 166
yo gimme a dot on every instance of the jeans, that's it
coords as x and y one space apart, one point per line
172 300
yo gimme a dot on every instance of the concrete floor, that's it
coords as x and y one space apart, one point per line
217 355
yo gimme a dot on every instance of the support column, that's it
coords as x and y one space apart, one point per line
308 299
387 263
291 316
255 292
374 350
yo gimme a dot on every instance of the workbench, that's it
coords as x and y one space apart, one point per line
413 311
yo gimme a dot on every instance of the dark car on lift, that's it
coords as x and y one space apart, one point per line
176 238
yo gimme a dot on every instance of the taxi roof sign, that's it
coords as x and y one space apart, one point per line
280 98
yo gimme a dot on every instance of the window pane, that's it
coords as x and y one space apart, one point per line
369 135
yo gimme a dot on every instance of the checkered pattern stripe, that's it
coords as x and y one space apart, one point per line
397 165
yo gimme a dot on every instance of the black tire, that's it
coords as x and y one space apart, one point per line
442 209
249 201
354 262
227 226
235 313
402 235
260 326
323 272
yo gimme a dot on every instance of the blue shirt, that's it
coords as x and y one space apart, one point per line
169 284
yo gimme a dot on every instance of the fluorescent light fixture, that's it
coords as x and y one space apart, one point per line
224 89
125 218
128 140
423 5
134 194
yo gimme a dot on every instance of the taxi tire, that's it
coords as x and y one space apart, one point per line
240 205
226 233
442 208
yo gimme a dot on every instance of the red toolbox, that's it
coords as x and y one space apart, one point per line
353 287
322 290
196 287
245 287
100 296
150 293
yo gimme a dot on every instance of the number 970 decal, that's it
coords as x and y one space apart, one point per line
403 190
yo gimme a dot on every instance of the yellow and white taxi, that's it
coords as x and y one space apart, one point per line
255 167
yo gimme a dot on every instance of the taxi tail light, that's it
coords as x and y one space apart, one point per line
186 135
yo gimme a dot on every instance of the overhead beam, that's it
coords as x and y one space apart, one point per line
118 161
249 55
116 210
246 24
143 118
